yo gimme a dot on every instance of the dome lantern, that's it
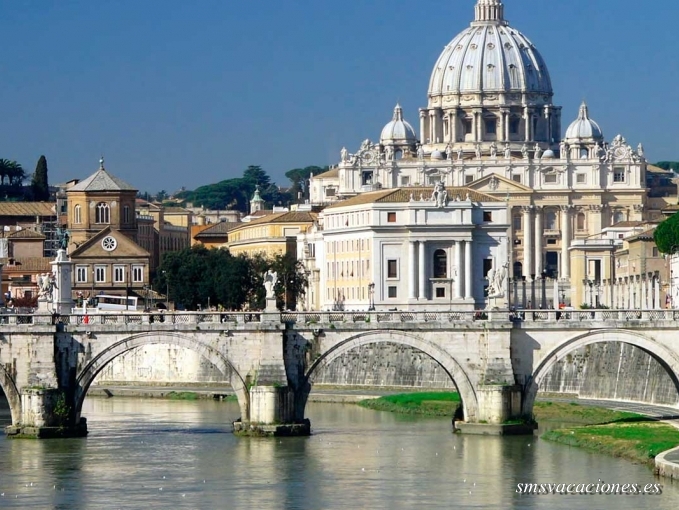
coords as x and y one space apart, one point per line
398 132
489 10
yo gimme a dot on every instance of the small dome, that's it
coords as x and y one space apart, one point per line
398 131
548 154
438 155
584 128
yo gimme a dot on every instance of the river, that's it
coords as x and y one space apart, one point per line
159 454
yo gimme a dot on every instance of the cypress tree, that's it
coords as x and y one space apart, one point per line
39 185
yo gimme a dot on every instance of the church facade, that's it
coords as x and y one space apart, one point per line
491 125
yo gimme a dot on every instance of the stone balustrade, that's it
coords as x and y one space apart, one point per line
374 317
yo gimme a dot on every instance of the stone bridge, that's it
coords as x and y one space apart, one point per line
496 360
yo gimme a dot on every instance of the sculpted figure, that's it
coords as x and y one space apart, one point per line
449 152
478 151
563 150
508 152
270 280
493 150
420 152
524 151
344 155
460 154
538 151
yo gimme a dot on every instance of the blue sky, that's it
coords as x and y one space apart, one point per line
176 93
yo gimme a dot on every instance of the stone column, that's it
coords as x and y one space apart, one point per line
528 118
423 124
468 274
422 290
644 295
656 293
565 272
527 240
504 128
412 270
477 125
452 132
539 256
460 274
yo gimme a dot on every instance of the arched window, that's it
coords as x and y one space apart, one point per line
550 220
77 214
618 216
580 221
103 213
518 269
440 264
584 153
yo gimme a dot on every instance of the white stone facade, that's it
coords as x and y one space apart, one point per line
409 249
490 125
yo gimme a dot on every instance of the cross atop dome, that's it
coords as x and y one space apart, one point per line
489 10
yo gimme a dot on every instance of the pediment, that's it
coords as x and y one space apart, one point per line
497 184
121 247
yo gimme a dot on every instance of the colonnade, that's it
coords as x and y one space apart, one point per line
419 270
534 238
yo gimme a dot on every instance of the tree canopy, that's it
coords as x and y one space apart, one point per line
668 165
666 235
197 276
39 185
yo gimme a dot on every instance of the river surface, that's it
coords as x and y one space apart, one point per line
158 454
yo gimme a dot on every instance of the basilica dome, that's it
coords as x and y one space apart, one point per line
583 128
398 131
490 57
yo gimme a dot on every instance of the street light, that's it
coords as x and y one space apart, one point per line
532 290
544 289
167 290
371 296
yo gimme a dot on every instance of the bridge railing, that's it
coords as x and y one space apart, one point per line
325 317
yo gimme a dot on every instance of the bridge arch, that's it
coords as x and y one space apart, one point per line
12 393
447 362
96 365
667 358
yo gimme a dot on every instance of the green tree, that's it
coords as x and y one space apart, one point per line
666 235
668 165
12 176
39 184
299 177
291 285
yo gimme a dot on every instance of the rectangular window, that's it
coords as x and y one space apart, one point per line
517 223
655 252
118 274
618 174
491 126
392 268
391 217
468 179
550 179
405 180
329 192
440 292
514 126
551 241
137 274
467 126
100 274
487 216
81 274
392 292
516 178
581 178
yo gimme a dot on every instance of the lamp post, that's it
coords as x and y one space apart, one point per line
516 290
146 298
544 289
523 283
532 291
167 290
591 298
371 296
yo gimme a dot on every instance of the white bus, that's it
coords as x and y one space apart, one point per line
105 302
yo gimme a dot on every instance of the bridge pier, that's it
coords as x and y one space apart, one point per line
499 413
272 413
47 413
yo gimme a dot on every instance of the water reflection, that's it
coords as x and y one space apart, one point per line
356 458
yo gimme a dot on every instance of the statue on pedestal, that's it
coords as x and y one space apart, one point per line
270 279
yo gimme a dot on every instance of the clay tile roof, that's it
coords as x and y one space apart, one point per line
173 210
328 175
26 234
403 195
101 180
627 224
284 217
41 264
27 209
218 229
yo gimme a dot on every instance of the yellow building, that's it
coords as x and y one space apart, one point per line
273 234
